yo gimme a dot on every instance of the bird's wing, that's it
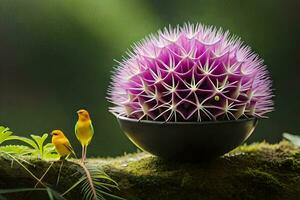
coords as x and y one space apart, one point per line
92 128
76 127
69 147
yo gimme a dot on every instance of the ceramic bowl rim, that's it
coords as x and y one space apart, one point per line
123 118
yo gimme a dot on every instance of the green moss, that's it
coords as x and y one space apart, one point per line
257 170
283 146
260 176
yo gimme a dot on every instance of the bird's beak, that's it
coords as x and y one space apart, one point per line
51 134
78 111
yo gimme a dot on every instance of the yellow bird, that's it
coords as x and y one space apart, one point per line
62 144
84 130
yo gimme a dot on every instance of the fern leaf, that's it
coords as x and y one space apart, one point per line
5 133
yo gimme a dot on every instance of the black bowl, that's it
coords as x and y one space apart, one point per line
187 141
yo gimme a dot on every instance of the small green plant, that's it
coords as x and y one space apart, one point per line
35 146
95 183
39 149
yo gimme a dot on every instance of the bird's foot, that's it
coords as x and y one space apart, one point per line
84 161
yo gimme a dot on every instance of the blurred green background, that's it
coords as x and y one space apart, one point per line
56 56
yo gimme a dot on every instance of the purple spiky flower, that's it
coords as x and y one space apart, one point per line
191 73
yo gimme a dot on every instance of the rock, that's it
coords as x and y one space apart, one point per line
256 171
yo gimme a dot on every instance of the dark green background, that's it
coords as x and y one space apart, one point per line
56 57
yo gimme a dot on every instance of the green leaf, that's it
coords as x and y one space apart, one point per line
52 194
16 190
96 181
5 133
295 139
16 149
112 196
49 152
28 141
40 140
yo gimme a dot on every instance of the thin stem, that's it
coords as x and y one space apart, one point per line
72 187
40 180
59 172
36 178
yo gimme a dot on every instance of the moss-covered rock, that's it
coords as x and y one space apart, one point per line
256 171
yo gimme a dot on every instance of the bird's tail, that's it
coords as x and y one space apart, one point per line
73 152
